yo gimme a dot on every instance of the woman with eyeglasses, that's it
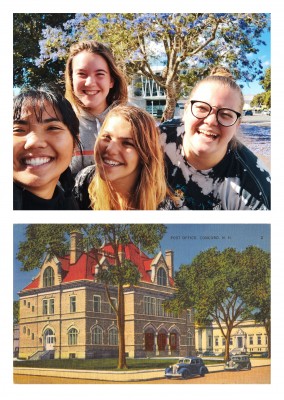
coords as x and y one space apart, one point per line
206 164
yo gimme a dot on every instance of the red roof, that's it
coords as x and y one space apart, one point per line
84 268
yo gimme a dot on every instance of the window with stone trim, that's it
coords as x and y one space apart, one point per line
149 305
97 335
162 277
113 336
97 303
73 304
48 277
72 336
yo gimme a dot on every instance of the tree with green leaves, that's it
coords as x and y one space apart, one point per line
42 239
27 33
264 99
224 287
186 45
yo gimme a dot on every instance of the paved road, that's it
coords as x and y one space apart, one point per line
255 375
263 120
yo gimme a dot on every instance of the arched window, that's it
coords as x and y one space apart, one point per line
112 336
72 336
48 277
190 340
162 277
97 335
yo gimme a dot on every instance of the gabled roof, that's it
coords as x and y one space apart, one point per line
85 267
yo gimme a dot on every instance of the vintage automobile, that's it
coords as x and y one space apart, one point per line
238 362
186 367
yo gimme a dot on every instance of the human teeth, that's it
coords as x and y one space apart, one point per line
110 162
208 133
91 92
37 161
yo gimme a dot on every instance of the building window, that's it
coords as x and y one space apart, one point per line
33 308
209 341
231 341
25 302
149 305
48 277
97 335
162 277
29 332
251 340
73 304
48 306
97 303
51 306
190 341
258 339
45 307
216 341
33 336
72 336
223 341
160 308
113 336
24 329
29 304
114 302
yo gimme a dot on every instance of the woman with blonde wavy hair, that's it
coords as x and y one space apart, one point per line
129 167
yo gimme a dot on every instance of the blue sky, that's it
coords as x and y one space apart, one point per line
186 240
264 55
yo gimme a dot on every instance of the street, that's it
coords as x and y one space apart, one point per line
258 375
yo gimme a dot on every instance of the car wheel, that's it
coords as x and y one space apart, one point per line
202 373
185 374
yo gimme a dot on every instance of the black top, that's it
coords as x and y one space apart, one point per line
25 200
238 182
81 194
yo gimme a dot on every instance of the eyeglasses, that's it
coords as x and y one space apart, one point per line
225 116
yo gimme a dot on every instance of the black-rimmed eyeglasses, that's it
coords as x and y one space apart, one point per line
225 116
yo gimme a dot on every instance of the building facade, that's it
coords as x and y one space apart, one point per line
249 337
65 312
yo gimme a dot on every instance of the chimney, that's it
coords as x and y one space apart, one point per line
76 246
170 261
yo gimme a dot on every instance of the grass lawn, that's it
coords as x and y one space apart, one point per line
100 364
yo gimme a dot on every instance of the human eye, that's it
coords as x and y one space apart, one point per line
128 143
18 129
227 114
201 107
105 137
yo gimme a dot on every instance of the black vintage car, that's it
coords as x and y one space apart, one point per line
186 367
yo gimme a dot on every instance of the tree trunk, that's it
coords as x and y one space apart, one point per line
267 325
171 101
121 329
227 345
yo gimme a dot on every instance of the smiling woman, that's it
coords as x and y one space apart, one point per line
129 172
206 164
45 132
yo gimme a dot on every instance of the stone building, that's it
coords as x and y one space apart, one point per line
65 313
248 337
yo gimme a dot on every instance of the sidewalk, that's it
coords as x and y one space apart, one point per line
116 376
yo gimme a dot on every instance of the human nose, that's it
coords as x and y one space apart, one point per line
212 117
89 81
35 139
112 146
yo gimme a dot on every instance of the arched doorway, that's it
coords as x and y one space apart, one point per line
49 339
162 342
149 341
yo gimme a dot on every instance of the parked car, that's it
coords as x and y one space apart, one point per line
238 362
186 367
208 353
248 112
